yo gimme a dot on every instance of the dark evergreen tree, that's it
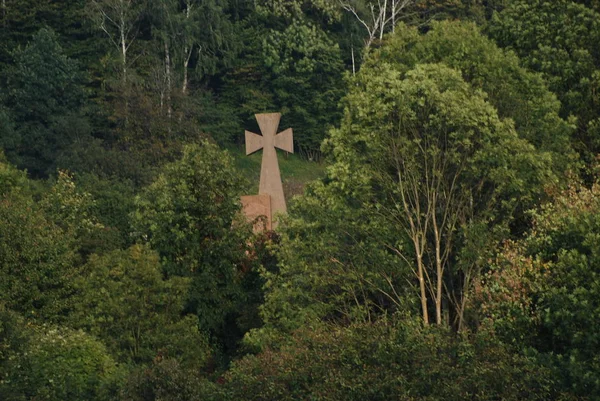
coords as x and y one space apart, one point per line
45 97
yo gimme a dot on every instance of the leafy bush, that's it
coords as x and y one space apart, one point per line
59 364
398 359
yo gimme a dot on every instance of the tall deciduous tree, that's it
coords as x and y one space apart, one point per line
427 156
119 21
196 38
445 169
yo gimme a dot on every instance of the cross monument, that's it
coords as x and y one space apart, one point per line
270 177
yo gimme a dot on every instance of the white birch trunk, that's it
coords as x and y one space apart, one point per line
123 42
168 78
187 52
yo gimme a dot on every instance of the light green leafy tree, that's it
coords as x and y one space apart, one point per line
38 259
59 364
446 170
425 153
517 93
124 300
189 216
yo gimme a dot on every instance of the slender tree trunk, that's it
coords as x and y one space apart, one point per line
168 76
186 63
419 247
353 64
461 309
4 12
123 43
188 53
382 13
422 285
439 269
393 16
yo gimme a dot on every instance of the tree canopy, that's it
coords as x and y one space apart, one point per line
441 241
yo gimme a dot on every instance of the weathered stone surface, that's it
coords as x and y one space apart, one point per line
257 208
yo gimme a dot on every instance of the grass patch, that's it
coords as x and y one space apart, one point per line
296 172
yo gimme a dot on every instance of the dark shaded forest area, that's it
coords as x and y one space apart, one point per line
449 250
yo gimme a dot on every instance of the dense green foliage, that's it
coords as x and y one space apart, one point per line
446 248
187 215
560 40
543 290
388 360
45 93
125 302
516 93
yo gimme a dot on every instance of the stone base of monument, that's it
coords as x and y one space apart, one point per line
257 209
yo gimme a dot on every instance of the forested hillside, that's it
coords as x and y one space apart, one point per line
442 240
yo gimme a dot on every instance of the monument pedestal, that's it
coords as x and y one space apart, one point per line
257 209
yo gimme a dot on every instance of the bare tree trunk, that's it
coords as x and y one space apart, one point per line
124 47
168 77
377 22
4 12
422 284
188 53
186 63
439 270
382 12
123 43
393 16
353 64
463 304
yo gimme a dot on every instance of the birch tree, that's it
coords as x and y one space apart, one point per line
376 16
196 35
118 19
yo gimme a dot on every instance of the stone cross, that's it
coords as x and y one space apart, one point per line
270 177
